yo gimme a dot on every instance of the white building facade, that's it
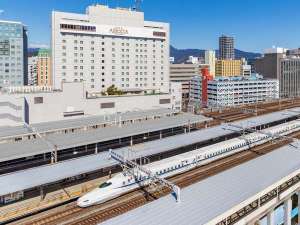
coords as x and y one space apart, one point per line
210 59
35 104
232 91
32 70
107 47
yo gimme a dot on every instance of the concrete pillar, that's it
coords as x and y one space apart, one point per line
42 193
131 141
270 218
160 135
96 148
287 211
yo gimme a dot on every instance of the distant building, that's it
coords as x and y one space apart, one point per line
293 52
32 70
35 104
231 91
246 70
284 65
107 47
228 67
193 60
44 76
269 65
172 59
13 54
183 73
226 47
210 59
289 77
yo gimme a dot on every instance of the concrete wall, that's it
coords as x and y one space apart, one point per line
72 100
11 110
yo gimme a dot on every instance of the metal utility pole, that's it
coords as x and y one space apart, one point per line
52 146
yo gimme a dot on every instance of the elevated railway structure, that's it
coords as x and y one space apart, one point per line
45 179
198 197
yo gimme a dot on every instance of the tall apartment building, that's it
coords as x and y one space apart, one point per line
107 47
231 91
278 63
32 70
228 67
183 73
13 54
226 47
44 76
210 59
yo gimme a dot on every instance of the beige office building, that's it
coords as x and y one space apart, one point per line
44 76
228 68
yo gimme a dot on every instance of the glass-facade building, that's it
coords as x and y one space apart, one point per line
13 54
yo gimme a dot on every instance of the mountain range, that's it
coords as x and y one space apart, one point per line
181 55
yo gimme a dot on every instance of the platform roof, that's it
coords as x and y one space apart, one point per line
13 150
216 195
84 121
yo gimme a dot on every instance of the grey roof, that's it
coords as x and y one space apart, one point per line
13 150
203 201
33 177
50 173
84 121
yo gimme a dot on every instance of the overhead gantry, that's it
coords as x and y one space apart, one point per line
134 168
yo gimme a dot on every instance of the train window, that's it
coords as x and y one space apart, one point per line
105 184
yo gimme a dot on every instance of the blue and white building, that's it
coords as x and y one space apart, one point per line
13 54
231 91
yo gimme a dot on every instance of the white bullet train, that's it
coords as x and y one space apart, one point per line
125 181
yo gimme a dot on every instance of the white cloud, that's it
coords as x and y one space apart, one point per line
38 45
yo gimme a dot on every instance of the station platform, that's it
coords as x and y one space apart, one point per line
230 197
50 199
42 175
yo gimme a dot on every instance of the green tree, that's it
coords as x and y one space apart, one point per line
113 90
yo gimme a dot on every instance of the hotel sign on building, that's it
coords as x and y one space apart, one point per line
107 47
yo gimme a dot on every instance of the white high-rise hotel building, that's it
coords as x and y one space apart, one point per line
107 47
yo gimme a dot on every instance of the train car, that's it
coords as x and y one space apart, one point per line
126 181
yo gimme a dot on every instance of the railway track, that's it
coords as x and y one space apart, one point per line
73 215
237 114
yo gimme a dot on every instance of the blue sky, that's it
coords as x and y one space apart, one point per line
255 24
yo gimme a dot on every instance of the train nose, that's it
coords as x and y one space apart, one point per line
83 202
